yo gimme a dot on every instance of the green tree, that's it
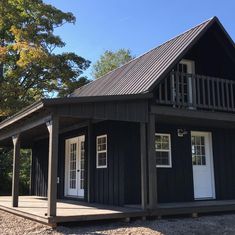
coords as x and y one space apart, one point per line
29 67
111 60
5 171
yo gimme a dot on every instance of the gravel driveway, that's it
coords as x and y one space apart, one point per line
219 224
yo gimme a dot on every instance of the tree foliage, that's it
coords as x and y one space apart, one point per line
29 67
111 60
6 171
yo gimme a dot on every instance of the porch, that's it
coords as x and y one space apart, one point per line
53 122
35 208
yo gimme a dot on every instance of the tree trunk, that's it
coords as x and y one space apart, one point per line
1 71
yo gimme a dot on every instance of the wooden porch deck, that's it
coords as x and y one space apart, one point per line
35 208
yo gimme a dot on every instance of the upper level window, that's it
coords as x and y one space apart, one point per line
186 66
163 150
101 151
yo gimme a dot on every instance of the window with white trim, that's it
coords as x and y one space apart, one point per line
163 150
101 151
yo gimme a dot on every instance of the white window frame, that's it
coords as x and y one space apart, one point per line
101 151
164 150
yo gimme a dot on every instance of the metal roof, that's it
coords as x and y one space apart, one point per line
140 74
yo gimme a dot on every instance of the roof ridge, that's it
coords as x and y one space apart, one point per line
149 51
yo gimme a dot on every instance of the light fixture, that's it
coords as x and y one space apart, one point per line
181 132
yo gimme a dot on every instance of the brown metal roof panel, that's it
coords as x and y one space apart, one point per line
138 75
158 61
172 54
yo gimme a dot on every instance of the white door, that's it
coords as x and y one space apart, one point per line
202 161
185 81
74 172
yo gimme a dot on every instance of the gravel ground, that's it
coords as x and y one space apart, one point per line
217 224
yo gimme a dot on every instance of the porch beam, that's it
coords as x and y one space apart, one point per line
16 170
197 114
29 124
133 111
143 152
53 128
152 169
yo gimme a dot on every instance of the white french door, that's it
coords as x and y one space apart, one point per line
202 162
74 166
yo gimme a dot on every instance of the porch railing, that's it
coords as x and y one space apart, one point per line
194 91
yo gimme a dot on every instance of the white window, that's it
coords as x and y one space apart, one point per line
163 150
101 151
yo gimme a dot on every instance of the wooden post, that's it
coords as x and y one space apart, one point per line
152 169
53 128
16 170
89 156
143 152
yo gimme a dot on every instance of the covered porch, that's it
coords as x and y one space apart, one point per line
50 119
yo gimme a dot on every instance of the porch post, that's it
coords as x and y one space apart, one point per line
53 128
16 170
143 152
152 170
89 156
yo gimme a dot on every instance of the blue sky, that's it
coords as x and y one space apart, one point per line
135 24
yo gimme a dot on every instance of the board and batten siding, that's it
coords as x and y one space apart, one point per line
39 171
118 184
115 184
224 163
176 184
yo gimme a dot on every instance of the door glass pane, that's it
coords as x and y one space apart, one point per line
72 165
198 150
82 165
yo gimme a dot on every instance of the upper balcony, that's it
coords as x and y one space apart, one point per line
193 91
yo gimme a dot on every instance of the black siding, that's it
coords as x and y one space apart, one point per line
120 183
113 185
176 184
224 163
39 176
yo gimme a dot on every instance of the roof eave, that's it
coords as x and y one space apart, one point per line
21 114
87 99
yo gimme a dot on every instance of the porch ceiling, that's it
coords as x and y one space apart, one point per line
28 137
